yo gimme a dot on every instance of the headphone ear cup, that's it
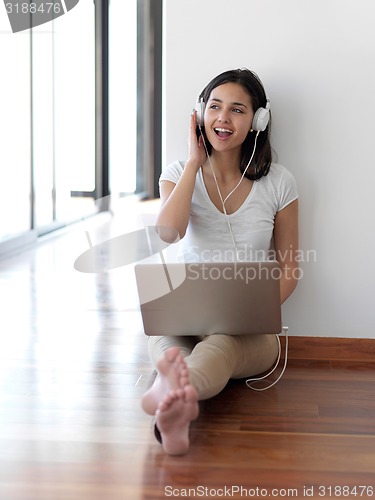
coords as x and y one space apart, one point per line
261 119
199 107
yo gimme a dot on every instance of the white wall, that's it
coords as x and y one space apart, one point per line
316 60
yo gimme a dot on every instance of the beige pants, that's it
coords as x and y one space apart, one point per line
215 359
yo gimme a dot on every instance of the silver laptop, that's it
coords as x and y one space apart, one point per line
234 298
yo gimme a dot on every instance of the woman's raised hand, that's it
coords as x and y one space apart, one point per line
197 151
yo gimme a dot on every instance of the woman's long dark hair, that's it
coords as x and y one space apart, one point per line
251 83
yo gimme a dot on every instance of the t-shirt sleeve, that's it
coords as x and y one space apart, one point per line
171 173
288 191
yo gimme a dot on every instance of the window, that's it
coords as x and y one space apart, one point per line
54 120
15 130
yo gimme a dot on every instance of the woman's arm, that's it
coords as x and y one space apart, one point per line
176 198
174 213
286 247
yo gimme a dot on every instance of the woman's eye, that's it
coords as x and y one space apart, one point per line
216 107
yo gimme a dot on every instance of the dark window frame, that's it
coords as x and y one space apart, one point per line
149 96
149 101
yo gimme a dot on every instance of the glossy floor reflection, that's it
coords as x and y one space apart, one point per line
74 365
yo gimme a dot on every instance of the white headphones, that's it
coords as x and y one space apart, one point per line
260 119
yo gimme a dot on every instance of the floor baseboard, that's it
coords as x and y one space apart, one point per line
342 349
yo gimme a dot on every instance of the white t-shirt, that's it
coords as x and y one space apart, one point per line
208 237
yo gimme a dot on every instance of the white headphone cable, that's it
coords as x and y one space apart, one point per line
233 190
218 190
250 381
244 172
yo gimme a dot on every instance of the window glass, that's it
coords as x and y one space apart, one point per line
15 116
74 110
123 95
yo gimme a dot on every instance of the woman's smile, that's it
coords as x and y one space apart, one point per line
223 133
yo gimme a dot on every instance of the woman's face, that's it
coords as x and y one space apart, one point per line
228 116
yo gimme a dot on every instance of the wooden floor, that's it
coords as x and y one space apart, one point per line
74 365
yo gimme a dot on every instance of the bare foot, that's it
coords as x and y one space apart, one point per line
172 375
173 418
